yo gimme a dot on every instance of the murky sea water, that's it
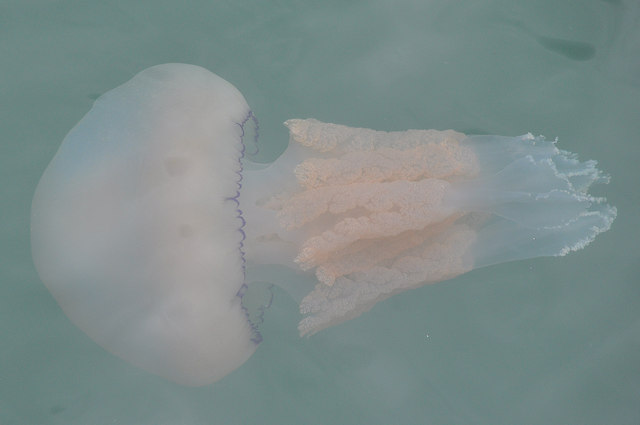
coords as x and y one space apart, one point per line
545 341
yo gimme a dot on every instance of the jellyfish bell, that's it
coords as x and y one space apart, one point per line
148 224
136 230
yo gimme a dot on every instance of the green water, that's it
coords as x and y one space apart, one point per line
547 341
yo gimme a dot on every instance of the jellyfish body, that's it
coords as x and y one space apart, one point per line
147 218
135 226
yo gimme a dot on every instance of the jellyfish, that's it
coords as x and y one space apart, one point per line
150 225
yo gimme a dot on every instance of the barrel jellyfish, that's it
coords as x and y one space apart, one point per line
150 224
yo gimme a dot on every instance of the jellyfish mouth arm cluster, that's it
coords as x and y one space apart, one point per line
374 213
